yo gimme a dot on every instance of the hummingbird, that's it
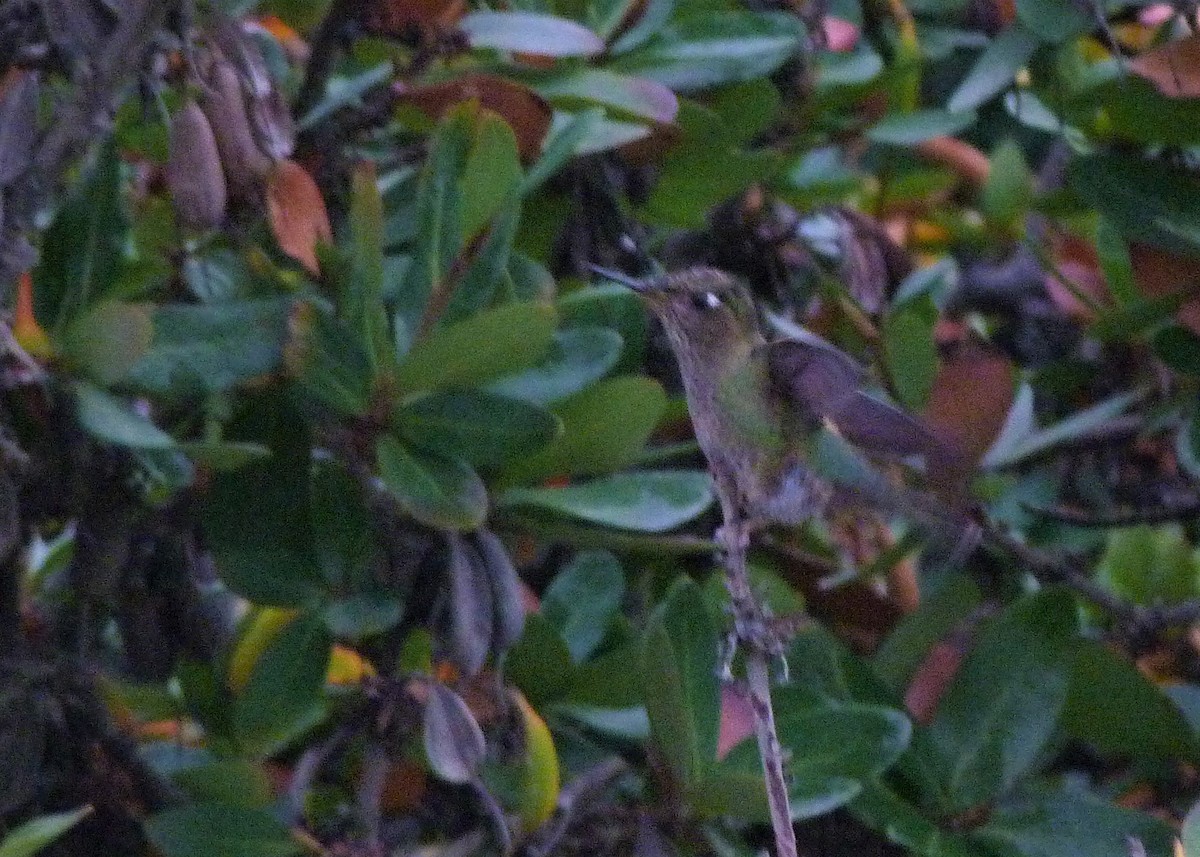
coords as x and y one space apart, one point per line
763 410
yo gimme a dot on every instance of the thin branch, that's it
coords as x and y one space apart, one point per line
324 53
1124 518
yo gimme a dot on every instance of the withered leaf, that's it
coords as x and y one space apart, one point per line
244 163
470 614
297 214
454 743
194 175
1173 68
508 603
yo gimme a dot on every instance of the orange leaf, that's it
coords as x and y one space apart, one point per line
297 214
971 397
25 327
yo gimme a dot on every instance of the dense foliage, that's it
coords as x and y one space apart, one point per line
343 510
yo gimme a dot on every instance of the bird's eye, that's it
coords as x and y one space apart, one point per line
707 300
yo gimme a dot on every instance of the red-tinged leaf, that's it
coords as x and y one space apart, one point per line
523 109
1173 68
737 719
971 396
840 35
297 214
400 18
931 680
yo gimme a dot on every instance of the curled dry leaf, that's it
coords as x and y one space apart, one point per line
194 175
297 214
454 743
508 600
523 109
469 620
244 163
1173 68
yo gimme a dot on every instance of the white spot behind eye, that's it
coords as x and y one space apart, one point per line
712 300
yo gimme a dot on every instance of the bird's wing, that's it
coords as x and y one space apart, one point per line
826 384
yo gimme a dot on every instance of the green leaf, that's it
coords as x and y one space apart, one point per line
540 663
361 299
1179 348
198 350
995 68
907 646
577 358
1009 189
361 616
238 782
216 274
491 174
31 837
904 824
834 749
1115 708
710 48
108 340
441 492
83 249
202 830
328 362
489 267
439 238
488 345
908 129
1009 449
1057 20
1190 834
480 428
529 32
285 685
567 132
1004 703
634 97
1044 823
679 681
646 501
604 429
111 420
343 527
1149 565
1146 200
582 600
270 565
1113 252
911 350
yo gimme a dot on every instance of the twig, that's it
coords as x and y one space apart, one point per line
736 536
324 53
1124 518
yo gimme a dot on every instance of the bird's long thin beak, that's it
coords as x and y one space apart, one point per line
641 286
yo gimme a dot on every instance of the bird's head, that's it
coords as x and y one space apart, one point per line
707 314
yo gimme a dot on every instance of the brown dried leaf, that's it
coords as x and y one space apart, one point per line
1173 68
400 18
245 164
297 214
523 109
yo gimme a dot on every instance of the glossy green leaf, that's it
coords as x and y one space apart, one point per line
911 350
360 304
212 348
578 357
491 174
1004 703
908 129
1009 189
201 830
328 361
995 68
480 428
834 749
531 33
29 838
633 96
111 420
583 598
441 492
645 501
84 247
1112 706
679 681
1057 20
1045 823
486 346
283 694
710 48
604 429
